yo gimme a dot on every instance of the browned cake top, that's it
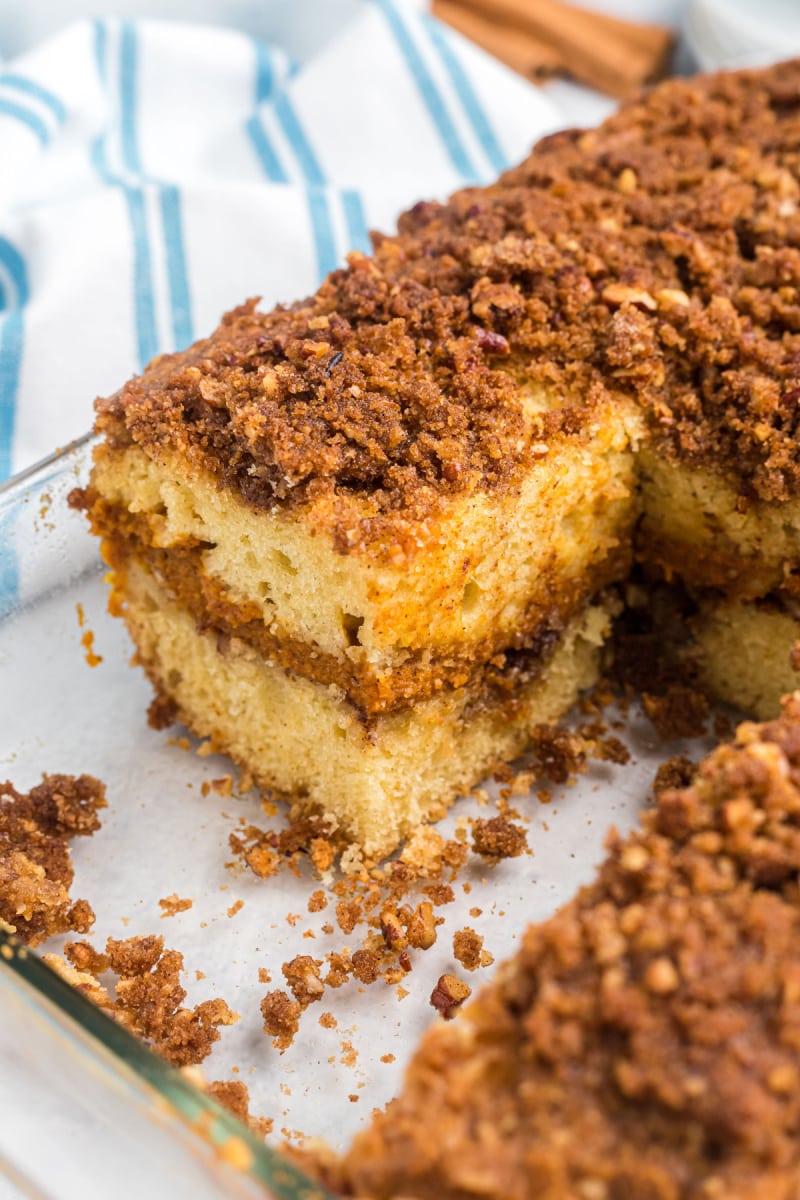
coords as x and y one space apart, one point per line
644 1042
657 256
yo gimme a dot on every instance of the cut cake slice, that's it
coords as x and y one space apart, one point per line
363 542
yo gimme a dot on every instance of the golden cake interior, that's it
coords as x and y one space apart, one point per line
363 541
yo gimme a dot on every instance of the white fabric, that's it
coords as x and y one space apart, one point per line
156 173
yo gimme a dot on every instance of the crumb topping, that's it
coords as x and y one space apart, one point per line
657 256
643 1040
147 995
36 870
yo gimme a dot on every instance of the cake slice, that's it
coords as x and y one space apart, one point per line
365 541
375 678
643 1042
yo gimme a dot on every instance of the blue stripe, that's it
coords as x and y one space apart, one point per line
467 95
11 342
177 274
357 232
169 208
271 164
322 229
10 108
127 89
146 334
100 47
22 84
264 76
309 164
430 93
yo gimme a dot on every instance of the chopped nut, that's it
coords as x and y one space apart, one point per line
449 994
616 294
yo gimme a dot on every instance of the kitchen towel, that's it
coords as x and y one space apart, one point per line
157 173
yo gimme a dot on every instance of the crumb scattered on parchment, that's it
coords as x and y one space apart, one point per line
236 907
172 904
468 949
87 640
328 1021
36 870
387 1058
449 994
498 838
281 1018
147 995
559 753
302 975
235 1096
675 772
349 1056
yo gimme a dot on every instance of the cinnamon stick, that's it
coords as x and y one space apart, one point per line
527 55
615 56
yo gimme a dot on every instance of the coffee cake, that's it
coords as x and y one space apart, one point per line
365 542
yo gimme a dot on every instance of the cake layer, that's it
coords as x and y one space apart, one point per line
485 574
696 526
748 654
300 739
642 1043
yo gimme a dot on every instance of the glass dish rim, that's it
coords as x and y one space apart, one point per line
199 1114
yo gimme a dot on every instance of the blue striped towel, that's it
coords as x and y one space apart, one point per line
155 174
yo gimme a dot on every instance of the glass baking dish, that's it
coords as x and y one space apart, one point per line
118 1120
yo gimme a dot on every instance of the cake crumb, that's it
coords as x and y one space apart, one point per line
498 838
235 908
317 901
328 1021
468 949
349 1056
36 871
560 753
223 786
264 976
449 994
302 975
147 996
675 772
234 1095
172 904
281 1018
387 1058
